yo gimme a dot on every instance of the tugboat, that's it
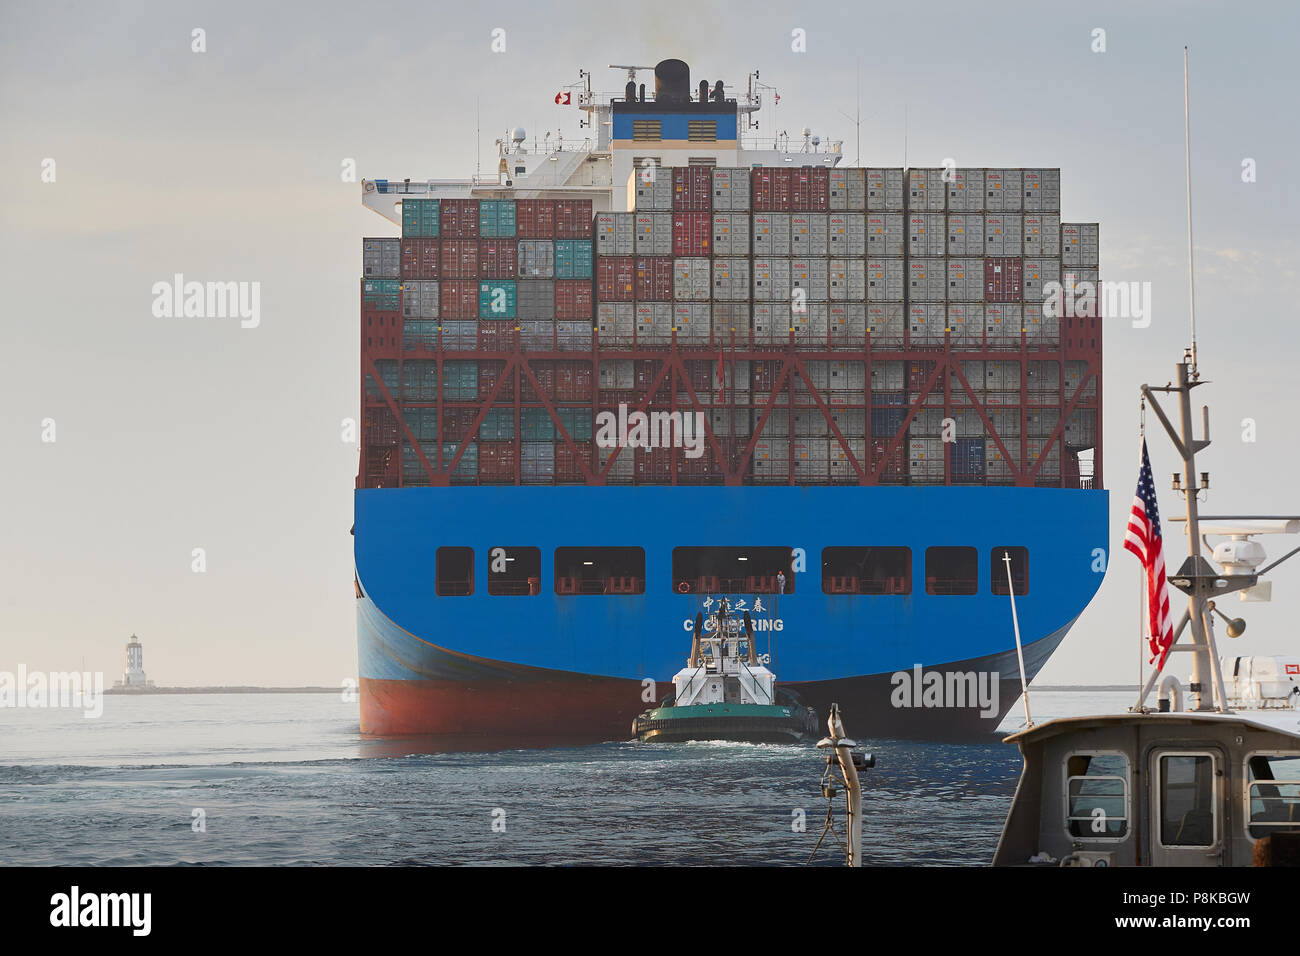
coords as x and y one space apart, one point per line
724 693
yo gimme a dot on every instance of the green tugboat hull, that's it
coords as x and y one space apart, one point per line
743 723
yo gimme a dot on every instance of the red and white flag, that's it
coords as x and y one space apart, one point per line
1142 537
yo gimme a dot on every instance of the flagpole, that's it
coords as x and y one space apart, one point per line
1020 654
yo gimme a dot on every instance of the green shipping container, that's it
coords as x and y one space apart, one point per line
423 422
420 381
573 259
420 218
577 422
536 425
496 219
382 294
496 299
498 425
460 381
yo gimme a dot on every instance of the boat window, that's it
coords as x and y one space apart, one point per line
1187 809
1273 793
951 571
1019 569
1096 794
732 570
514 570
599 571
453 572
867 570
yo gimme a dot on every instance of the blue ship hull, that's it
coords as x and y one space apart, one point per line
552 665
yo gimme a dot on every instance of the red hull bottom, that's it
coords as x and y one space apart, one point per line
583 708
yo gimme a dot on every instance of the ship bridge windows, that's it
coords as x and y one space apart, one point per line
453 572
594 570
1097 795
1273 793
514 570
733 570
951 570
867 570
1019 569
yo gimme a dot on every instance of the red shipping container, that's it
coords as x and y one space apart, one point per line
574 219
692 233
644 372
770 189
654 279
810 189
692 189
573 300
498 258
572 381
495 336
764 377
488 373
460 259
456 423
544 372
496 461
654 464
614 276
918 373
892 468
458 218
459 299
421 258
568 465
535 218
1003 279
381 333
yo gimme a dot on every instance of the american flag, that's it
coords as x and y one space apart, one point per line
1142 537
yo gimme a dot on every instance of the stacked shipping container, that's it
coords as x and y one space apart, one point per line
842 325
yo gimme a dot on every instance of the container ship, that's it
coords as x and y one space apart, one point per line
611 383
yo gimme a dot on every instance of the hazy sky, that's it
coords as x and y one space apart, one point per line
174 434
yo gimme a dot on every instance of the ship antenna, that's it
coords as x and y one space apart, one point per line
1187 150
1020 654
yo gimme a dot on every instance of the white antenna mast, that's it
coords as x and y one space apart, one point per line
1020 654
1187 147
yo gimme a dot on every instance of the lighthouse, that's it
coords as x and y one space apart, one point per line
134 675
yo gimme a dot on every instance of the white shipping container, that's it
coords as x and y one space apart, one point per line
845 375
771 460
927 280
966 324
614 325
624 468
615 233
731 234
654 190
884 280
692 321
840 467
771 323
888 375
1002 190
420 298
926 234
885 323
965 280
884 190
847 280
965 234
771 234
1041 422
731 279
654 323
616 373
537 259
848 190
1079 244
1002 322
926 190
654 233
772 280
691 280
926 322
809 326
538 335
1042 190
966 190
381 258
847 324
808 234
572 335
1081 428
809 275
1037 274
852 423
846 234
1042 234
885 234
1074 372
731 324
926 459
731 188
1003 235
